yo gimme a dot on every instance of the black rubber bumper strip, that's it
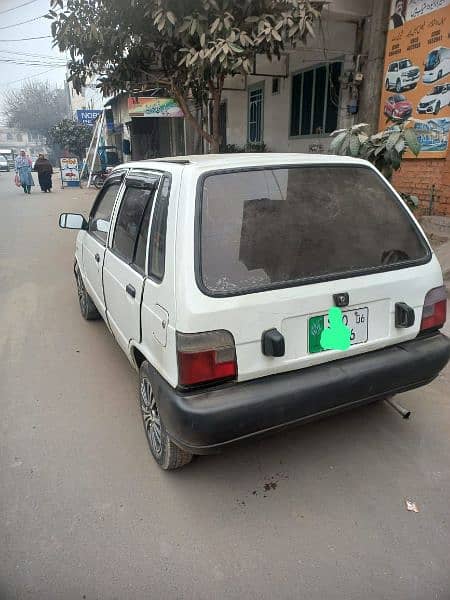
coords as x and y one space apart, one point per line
205 420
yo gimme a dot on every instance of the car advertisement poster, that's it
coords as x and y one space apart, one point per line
70 176
153 107
417 72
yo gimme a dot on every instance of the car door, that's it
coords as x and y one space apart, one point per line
126 256
94 244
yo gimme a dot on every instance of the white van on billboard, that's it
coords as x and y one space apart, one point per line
437 64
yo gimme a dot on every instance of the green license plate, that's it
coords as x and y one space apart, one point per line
356 319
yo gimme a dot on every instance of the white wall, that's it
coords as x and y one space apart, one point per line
335 41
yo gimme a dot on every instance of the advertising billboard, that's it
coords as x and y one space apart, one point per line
87 117
153 107
416 76
70 176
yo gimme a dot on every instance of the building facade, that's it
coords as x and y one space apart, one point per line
293 105
12 141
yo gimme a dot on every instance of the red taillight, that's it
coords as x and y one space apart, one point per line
205 357
434 311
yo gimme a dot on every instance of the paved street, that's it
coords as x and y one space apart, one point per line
316 513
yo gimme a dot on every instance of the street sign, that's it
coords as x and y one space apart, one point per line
87 117
70 176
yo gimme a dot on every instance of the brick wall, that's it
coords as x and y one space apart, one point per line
417 177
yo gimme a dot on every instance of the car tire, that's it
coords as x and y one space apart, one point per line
386 85
437 108
98 182
398 86
165 452
87 307
439 75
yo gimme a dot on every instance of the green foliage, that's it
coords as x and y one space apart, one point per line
384 149
187 46
72 136
36 107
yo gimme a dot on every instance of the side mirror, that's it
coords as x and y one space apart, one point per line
72 221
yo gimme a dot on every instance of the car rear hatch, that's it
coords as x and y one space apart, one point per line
277 247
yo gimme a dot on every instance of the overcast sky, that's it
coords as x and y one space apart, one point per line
42 61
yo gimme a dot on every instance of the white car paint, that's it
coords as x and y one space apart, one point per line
437 99
149 322
401 75
437 64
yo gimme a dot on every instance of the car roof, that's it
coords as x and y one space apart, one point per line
213 162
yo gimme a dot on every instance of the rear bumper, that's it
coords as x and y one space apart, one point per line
206 420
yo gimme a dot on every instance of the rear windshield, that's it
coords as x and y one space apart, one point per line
273 227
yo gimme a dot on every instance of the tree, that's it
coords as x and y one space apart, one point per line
73 137
188 47
384 149
35 107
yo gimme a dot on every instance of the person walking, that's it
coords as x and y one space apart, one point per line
44 169
23 170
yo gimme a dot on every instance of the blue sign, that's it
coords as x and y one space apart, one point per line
87 117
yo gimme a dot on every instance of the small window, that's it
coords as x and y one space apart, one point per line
141 246
100 218
315 100
129 220
9 136
19 137
158 233
276 85
255 115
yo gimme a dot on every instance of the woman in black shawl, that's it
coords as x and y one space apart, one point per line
45 171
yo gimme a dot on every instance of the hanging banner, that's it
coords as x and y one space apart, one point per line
87 117
417 72
70 176
153 107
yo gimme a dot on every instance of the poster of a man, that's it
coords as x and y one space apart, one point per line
398 16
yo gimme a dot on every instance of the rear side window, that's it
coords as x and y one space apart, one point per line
158 233
101 215
129 221
262 229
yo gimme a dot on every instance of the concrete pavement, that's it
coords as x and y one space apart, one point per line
315 513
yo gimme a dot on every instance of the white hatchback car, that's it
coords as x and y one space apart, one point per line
227 281
438 98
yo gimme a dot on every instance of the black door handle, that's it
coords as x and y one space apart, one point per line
97 257
130 290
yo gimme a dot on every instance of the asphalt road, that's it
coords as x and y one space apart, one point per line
316 513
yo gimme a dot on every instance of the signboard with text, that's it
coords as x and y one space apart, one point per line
87 117
416 74
70 176
153 107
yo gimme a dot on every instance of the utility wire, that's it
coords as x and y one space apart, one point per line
31 76
22 22
16 7
41 37
31 54
32 64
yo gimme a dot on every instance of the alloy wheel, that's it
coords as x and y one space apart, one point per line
81 293
150 415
